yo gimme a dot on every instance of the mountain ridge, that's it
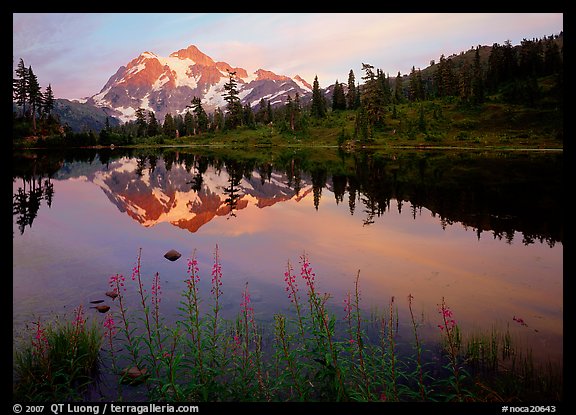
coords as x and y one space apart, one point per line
168 84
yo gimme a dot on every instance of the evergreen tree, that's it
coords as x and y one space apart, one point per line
200 115
189 124
141 122
338 97
218 120
233 107
153 126
398 94
372 98
351 95
261 115
318 106
48 101
169 126
20 86
248 118
34 96
477 79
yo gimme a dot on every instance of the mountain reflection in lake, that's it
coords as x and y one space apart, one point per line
481 230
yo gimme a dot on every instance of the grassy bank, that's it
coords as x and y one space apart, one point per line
435 123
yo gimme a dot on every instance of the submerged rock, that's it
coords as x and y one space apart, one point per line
102 308
172 255
134 375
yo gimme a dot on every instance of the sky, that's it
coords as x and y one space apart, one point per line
76 53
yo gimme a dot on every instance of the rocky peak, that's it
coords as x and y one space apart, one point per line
194 54
269 75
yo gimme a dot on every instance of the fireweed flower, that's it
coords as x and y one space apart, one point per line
117 281
40 341
109 325
156 290
306 271
447 317
79 319
193 273
216 276
291 285
247 309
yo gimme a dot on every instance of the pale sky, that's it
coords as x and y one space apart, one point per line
78 52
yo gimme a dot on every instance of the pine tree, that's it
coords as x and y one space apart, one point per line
477 79
318 106
34 96
338 97
261 114
141 122
372 98
189 124
200 114
153 126
20 86
169 126
248 118
351 95
48 101
233 107
398 94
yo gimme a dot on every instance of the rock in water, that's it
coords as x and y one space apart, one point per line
134 375
172 255
102 308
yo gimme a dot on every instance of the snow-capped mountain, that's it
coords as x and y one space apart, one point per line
168 84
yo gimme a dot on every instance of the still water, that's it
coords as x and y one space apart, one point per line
481 230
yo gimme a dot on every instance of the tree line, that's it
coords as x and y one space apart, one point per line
510 71
27 94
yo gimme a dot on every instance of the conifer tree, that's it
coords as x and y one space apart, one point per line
372 98
189 124
153 126
169 126
34 96
318 106
141 122
477 79
200 114
248 118
20 86
233 107
398 94
338 97
48 101
351 95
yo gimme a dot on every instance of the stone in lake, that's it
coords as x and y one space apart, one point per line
134 375
172 255
102 308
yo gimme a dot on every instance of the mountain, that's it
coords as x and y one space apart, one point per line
82 116
168 84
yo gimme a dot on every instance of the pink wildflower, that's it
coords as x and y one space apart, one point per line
109 325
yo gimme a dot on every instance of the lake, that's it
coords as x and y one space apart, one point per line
481 229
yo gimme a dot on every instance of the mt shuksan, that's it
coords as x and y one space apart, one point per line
168 84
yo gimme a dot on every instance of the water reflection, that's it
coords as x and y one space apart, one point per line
499 193
391 215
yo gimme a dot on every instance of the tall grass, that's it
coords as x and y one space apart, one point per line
60 361
307 354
